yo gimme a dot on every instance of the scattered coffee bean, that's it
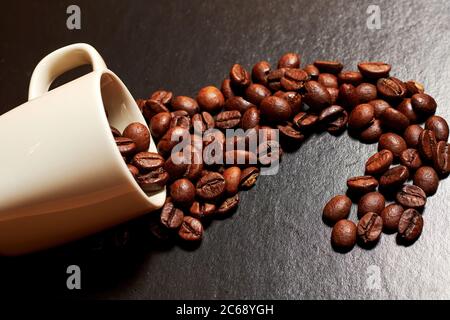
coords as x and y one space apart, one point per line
211 186
441 158
439 126
333 67
372 133
294 79
275 109
394 120
391 216
229 205
306 121
394 177
159 124
227 89
410 158
274 79
362 184
365 92
334 118
200 210
414 87
337 208
126 146
427 144
288 132
348 97
228 119
374 70
312 71
260 72
210 99
289 60
351 77
153 107
423 104
410 225
239 76
412 134
182 192
185 104
191 229
379 106
153 181
406 108
316 96
391 89
371 202
248 177
293 98
369 228
162 96
171 217
427 179
147 161
334 94
343 235
379 162
238 104
255 93
361 117
250 119
232 176
411 196
392 142
328 80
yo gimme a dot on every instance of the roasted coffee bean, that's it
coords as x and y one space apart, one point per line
379 162
379 106
202 122
410 225
115 132
348 97
232 176
191 229
210 99
371 202
153 107
255 93
183 121
171 217
228 119
238 104
147 161
391 216
406 108
412 134
410 158
239 76
211 186
411 196
427 144
260 72
306 121
392 142
287 131
172 137
351 77
126 146
275 109
159 124
312 71
293 98
185 104
365 92
441 158
182 192
248 177
200 210
294 79
250 119
274 79
333 67
228 205
227 89
334 118
374 70
334 94
414 87
289 60
427 179
369 228
362 184
343 235
316 96
394 120
423 104
372 133
337 208
361 117
391 89
394 177
162 96
328 80
439 126
153 181
133 170
240 157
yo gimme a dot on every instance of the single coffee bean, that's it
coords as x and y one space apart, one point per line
171 217
153 107
306 121
374 70
414 87
372 133
238 104
201 210
361 117
210 99
115 132
227 89
239 76
362 184
427 179
334 118
394 177
439 126
337 208
275 109
172 137
293 98
153 181
441 158
126 146
379 162
379 106
392 142
391 216
260 72
232 176
410 225
185 104
211 186
427 144
334 93
162 96
366 92
228 119
348 97
391 89
333 67
191 229
289 60
371 202
316 96
228 205
255 93
343 235
159 124
394 120
369 228
410 158
133 170
147 161
412 134
248 177
312 71
351 77
423 104
250 119
328 80
411 196
288 132
294 79
406 108
182 192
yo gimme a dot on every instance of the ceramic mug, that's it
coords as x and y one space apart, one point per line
61 175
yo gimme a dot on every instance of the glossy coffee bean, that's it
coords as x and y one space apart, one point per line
153 107
392 142
182 192
232 176
248 177
115 132
260 72
159 124
371 202
211 186
228 205
293 79
275 109
379 106
334 94
351 77
379 162
423 104
369 228
290 133
366 92
414 87
348 97
147 161
391 216
238 104
180 120
391 89
410 158
185 104
255 93
171 217
412 134
427 145
210 99
406 108
361 117
201 210
274 79
362 184
394 120
334 118
410 225
133 170
312 71
439 126
126 146
293 98
162 96
191 229
328 80
289 60
372 133
228 119
316 96
333 67
239 76
411 196
153 181
250 118
172 137
441 158
394 177
427 179
337 208
306 121
343 235
227 89
374 70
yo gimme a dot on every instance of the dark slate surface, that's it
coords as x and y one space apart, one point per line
276 245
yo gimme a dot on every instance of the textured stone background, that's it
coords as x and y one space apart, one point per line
276 245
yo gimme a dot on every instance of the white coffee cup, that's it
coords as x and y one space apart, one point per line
61 174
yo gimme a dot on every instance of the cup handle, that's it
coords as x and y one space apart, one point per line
60 61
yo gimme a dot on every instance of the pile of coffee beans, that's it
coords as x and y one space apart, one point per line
375 107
